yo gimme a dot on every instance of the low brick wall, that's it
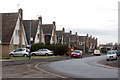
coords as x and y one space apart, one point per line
6 49
0 50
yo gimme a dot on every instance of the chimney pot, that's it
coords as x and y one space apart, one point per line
76 33
70 32
63 29
40 18
87 35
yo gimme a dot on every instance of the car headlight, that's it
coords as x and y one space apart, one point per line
78 54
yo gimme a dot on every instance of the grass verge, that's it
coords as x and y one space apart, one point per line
32 57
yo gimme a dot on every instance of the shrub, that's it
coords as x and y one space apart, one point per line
59 49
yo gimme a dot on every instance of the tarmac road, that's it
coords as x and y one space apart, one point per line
82 68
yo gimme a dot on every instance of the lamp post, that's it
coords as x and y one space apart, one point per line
30 40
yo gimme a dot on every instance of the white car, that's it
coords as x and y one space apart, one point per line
111 55
45 52
97 52
20 52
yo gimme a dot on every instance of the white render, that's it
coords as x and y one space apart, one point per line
51 40
16 37
37 39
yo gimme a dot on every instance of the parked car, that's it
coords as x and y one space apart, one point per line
118 53
77 54
97 52
20 52
111 55
45 52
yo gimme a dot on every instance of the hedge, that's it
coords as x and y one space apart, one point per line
58 49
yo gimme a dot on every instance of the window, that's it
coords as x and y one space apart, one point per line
38 36
17 32
60 40
17 50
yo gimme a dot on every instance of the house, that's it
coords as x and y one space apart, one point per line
104 48
49 33
40 33
74 40
13 34
34 27
60 36
67 38
87 43
83 42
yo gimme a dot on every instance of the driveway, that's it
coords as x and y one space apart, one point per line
82 68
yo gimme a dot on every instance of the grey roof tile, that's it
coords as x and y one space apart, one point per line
9 21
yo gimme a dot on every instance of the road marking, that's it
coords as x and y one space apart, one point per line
47 71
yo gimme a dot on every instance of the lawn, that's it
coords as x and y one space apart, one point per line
27 58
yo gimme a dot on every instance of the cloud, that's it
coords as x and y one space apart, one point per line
96 31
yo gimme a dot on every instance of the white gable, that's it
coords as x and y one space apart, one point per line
37 34
16 34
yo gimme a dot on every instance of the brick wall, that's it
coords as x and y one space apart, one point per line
6 49
0 50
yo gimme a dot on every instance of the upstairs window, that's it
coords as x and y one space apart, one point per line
38 36
17 32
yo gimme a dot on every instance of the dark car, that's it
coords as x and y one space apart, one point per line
118 53
77 54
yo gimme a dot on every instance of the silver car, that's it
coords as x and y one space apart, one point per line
45 52
20 52
111 55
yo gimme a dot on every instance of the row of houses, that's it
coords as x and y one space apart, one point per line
18 33
104 48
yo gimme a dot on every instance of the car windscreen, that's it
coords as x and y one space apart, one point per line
76 51
111 52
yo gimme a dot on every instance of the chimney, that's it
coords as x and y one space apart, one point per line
20 27
63 29
40 29
96 41
87 35
90 36
76 33
70 32
54 32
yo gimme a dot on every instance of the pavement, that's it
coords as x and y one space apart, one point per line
26 68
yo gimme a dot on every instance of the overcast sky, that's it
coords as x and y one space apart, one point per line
95 17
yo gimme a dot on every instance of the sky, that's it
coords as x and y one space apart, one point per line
98 18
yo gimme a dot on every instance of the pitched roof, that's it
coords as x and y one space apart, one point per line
34 26
73 37
82 38
59 34
67 37
47 29
8 23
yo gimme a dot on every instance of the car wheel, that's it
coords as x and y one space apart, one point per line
107 59
11 55
46 54
33 54
81 57
25 55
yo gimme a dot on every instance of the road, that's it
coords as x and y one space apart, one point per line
82 68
